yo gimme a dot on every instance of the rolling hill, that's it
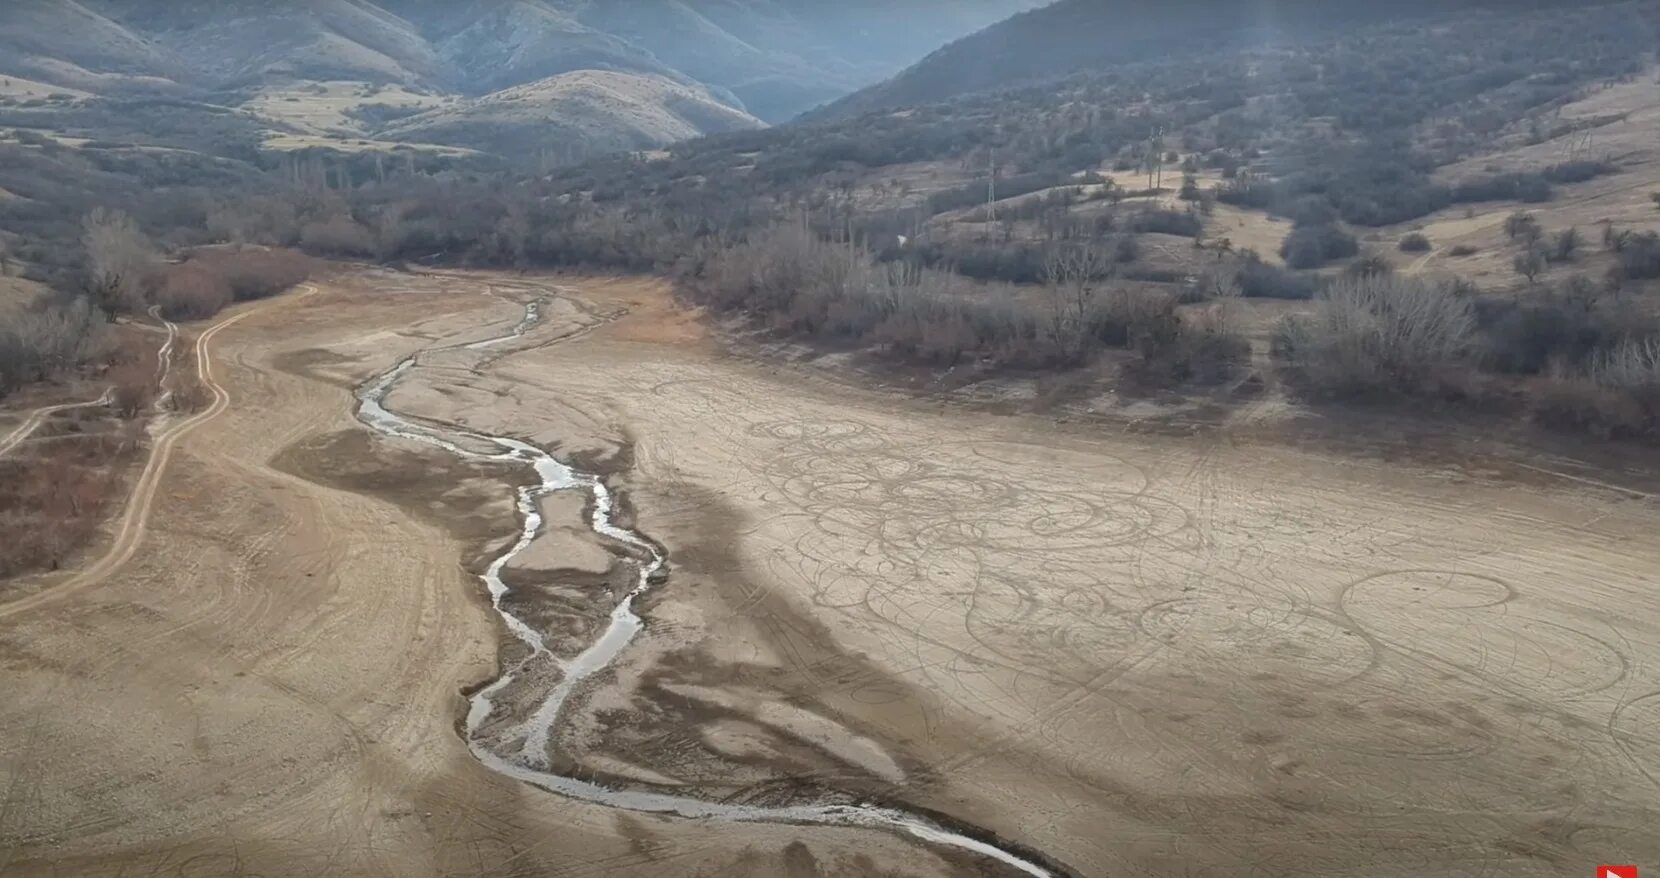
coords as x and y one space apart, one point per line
575 115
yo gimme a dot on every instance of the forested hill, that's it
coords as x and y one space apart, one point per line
1084 36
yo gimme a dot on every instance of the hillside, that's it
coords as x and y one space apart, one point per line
576 115
66 43
1082 36
771 58
122 96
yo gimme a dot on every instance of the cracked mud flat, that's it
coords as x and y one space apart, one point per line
1131 655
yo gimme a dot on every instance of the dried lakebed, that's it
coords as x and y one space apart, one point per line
521 749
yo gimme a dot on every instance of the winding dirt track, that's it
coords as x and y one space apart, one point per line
1137 655
135 515
37 417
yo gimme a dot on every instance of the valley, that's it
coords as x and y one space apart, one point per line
1030 631
762 438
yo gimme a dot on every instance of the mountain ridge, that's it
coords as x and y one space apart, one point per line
771 58
1071 36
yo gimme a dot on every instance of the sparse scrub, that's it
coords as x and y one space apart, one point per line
1564 246
1371 265
53 498
1523 228
1415 242
135 388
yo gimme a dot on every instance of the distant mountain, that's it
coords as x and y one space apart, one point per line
771 58
1073 36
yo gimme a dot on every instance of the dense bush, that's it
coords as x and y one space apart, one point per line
1259 280
790 281
212 278
1415 242
1569 328
1311 246
1168 222
191 292
1377 335
1617 396
1639 258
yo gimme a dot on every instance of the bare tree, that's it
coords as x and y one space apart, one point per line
36 345
120 261
1072 278
1523 227
1222 279
1530 263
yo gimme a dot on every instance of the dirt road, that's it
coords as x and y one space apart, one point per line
1136 655
33 420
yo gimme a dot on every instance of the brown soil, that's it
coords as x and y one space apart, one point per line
1138 653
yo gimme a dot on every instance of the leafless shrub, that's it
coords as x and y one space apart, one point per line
1633 367
791 281
192 291
120 261
1377 334
1589 403
52 500
338 236
1074 277
41 344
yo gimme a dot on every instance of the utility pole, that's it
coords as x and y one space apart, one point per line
991 195
991 189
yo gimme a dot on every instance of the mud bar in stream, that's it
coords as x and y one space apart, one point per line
529 763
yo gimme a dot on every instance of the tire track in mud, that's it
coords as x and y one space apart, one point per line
522 753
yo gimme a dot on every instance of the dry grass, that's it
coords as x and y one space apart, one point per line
277 142
1621 122
326 108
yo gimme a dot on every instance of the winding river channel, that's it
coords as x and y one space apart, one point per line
529 762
